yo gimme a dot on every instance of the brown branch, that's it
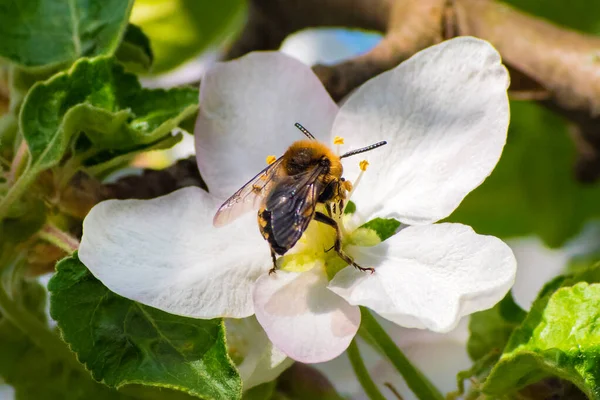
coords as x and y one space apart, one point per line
563 62
412 26
553 65
153 183
83 191
271 21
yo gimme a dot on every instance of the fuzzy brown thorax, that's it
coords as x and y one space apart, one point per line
304 155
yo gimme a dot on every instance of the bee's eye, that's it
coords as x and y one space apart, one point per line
343 179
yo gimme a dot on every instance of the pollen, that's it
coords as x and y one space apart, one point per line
271 159
363 165
338 140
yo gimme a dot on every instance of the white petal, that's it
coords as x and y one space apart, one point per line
302 318
261 361
429 276
537 266
444 113
166 253
248 108
7 392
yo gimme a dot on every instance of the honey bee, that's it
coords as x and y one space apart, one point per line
286 194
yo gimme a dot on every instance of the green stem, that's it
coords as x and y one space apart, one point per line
16 191
34 329
362 374
59 238
21 157
416 381
73 165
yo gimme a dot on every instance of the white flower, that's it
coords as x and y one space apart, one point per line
257 360
440 357
444 113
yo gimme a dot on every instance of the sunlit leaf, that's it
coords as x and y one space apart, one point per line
182 29
51 32
135 51
559 337
98 98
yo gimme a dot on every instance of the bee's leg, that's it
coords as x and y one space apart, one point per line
274 258
319 216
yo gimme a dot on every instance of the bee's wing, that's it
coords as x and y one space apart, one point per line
292 203
249 197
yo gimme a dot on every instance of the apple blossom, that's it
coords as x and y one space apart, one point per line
444 113
257 360
442 356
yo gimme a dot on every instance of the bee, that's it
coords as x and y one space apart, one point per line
286 194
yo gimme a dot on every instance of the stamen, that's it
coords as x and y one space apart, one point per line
363 167
338 140
271 159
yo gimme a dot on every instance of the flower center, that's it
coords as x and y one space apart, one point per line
316 246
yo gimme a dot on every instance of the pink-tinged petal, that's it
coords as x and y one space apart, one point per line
444 113
248 108
166 253
429 276
302 317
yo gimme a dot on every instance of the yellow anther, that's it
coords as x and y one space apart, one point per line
363 165
347 185
338 140
271 159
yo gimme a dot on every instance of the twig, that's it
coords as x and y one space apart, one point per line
393 390
556 66
59 238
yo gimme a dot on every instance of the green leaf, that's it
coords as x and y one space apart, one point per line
491 329
532 190
105 163
384 227
44 33
123 342
182 29
32 372
98 98
135 51
559 337
583 15
260 392
350 207
23 220
19 83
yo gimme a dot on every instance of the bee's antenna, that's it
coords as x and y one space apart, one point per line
362 150
304 130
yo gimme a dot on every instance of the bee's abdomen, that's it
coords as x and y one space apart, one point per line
266 229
